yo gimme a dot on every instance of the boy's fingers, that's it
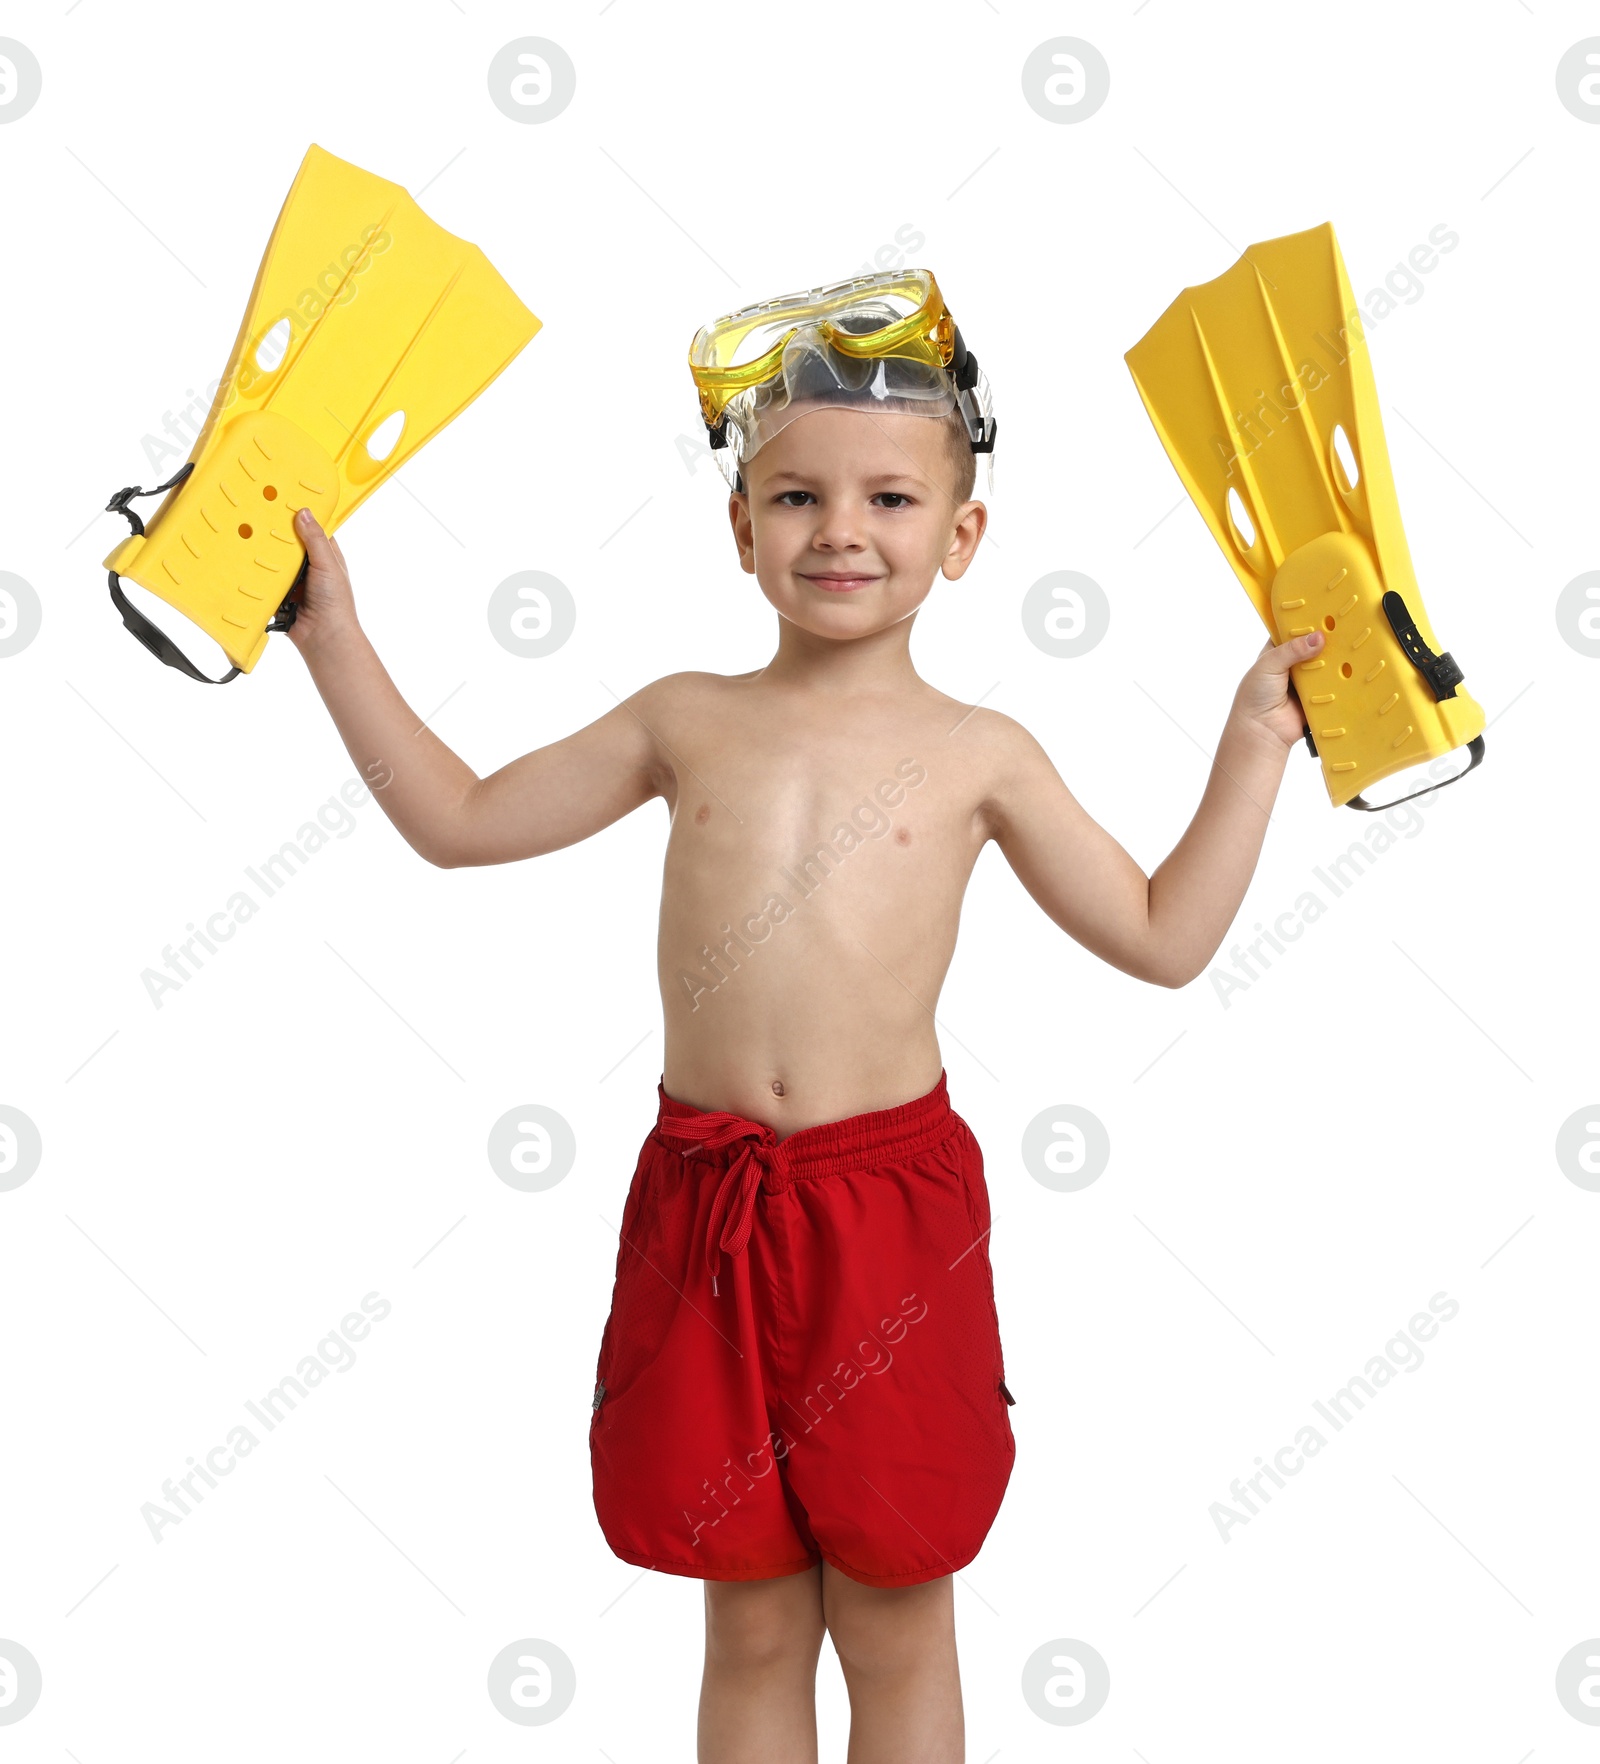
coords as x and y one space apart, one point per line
1280 657
322 551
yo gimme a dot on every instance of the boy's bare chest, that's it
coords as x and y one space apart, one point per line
757 794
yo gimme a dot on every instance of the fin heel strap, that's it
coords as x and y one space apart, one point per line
1474 748
155 639
145 630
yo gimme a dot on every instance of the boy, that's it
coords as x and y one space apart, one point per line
800 1396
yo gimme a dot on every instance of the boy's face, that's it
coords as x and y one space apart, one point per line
847 515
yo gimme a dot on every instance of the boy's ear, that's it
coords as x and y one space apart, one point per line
971 520
743 536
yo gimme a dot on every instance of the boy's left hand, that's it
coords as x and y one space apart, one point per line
1265 696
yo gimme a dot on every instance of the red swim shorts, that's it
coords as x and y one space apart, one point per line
802 1359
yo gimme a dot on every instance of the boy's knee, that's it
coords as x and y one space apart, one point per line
892 1632
752 1624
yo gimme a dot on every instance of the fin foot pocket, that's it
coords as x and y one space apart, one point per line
223 551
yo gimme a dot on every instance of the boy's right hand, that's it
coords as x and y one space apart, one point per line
327 605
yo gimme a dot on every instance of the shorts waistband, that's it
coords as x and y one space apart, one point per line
830 1148
760 1160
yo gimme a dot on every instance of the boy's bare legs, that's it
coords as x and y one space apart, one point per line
897 1646
758 1699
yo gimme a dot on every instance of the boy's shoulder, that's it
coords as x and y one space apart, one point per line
991 733
1007 765
667 710
691 686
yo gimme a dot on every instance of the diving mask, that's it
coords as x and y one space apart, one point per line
884 342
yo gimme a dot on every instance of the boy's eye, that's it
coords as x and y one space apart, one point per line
895 498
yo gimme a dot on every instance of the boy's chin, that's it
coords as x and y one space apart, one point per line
856 615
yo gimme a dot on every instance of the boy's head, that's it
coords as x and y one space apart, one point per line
848 515
848 420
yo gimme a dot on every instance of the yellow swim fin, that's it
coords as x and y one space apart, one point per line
368 329
1260 387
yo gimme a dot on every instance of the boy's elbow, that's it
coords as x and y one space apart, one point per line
442 857
462 855
447 842
1171 973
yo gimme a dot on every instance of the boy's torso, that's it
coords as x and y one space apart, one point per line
817 859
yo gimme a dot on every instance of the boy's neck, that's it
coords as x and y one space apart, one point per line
878 662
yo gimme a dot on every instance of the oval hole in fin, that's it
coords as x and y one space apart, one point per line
381 442
273 346
1244 531
1348 472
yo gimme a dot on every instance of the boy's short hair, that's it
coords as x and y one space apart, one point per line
963 461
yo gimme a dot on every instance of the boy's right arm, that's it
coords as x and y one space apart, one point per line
541 802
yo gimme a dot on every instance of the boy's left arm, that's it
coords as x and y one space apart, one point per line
1163 928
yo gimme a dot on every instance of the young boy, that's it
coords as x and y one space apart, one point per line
800 1396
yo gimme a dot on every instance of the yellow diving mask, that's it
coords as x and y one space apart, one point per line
884 342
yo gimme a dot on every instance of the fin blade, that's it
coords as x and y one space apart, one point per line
1177 379
386 311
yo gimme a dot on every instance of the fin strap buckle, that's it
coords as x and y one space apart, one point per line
289 607
1442 672
119 502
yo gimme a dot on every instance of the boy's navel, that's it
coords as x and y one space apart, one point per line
777 1087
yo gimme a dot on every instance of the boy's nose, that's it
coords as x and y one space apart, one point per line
839 532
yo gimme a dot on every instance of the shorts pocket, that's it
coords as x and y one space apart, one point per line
655 1256
976 1192
628 1256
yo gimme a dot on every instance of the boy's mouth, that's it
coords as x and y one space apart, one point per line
839 584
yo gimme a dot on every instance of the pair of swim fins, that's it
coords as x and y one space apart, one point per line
368 329
1260 387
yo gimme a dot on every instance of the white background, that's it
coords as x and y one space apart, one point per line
302 1123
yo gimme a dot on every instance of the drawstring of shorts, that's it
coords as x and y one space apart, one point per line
733 1206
